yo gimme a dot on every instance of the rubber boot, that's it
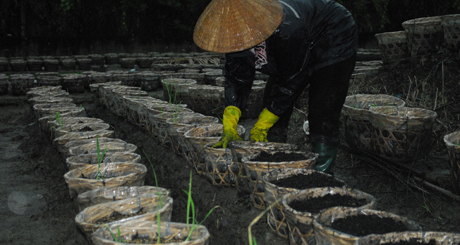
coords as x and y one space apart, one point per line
326 158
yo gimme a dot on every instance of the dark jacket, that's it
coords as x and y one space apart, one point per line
312 35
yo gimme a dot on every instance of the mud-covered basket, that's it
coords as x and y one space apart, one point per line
299 220
206 99
325 234
47 95
424 35
74 83
139 208
411 237
80 127
108 147
402 133
85 160
112 194
452 142
242 149
176 90
116 103
198 137
356 114
61 141
276 186
221 169
393 46
451 28
258 165
171 233
114 174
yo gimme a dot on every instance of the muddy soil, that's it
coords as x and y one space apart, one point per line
36 207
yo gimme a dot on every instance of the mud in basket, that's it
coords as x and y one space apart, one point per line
221 170
327 225
258 165
131 209
112 194
424 35
393 46
113 174
356 114
452 142
206 99
402 133
301 208
411 237
79 127
451 28
85 160
280 182
108 147
198 137
242 149
147 232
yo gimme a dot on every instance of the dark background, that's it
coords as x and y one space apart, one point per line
71 27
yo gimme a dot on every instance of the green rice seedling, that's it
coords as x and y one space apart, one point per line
115 237
172 99
252 240
99 158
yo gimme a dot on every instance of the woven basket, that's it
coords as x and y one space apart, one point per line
47 94
110 147
20 85
18 65
115 174
111 58
276 218
37 91
241 149
97 59
198 137
74 83
53 124
300 222
324 234
68 64
134 108
49 99
221 169
4 85
61 141
42 110
4 64
51 64
411 237
84 160
149 81
424 35
112 194
173 233
207 100
402 133
157 116
153 207
51 113
393 46
162 127
84 64
255 171
183 142
80 127
451 28
34 64
176 90
127 63
452 142
210 77
356 114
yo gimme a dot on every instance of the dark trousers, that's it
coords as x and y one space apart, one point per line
327 93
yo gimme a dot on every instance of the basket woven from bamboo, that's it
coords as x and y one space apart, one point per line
41 110
192 119
74 83
326 235
276 218
134 108
115 174
207 100
112 194
37 91
111 96
117 104
84 160
451 28
414 237
199 136
63 111
18 65
53 124
183 142
153 206
149 81
401 133
159 114
452 142
61 141
300 223
210 77
67 128
46 94
94 87
255 170
49 100
163 127
423 35
49 80
44 126
221 170
241 149
356 114
51 64
4 84
174 89
393 46
171 232
91 148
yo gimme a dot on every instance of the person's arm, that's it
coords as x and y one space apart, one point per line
239 75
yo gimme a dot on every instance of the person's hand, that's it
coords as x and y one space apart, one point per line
230 120
260 129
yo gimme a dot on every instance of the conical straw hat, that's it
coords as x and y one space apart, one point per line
228 26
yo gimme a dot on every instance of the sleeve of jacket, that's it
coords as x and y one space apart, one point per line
239 73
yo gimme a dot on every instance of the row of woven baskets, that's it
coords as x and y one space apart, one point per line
243 166
420 37
106 177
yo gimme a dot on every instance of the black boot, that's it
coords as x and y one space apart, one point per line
326 158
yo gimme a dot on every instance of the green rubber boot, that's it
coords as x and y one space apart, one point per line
326 158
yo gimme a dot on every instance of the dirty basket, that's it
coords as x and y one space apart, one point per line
393 46
451 28
424 35
452 142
